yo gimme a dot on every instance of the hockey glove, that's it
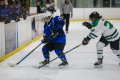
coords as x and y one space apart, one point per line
86 41
87 24
53 36
45 40
55 30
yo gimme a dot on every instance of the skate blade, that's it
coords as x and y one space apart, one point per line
63 66
99 66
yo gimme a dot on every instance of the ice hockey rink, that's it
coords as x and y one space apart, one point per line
81 60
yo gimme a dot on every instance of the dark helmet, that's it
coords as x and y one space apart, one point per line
94 15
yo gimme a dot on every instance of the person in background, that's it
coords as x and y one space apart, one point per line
65 9
12 12
23 11
3 12
50 6
17 8
3 8
38 2
41 7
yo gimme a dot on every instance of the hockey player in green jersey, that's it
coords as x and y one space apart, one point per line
100 26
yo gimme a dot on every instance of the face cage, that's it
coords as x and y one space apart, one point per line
91 20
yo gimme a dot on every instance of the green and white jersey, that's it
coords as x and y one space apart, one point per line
42 8
105 28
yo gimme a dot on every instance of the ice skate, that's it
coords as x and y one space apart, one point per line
46 61
98 64
63 64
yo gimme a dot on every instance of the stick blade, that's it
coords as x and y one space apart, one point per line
11 64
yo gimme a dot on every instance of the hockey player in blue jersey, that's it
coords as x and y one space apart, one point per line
54 37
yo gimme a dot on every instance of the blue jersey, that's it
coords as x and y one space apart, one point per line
4 12
47 30
10 12
59 22
18 11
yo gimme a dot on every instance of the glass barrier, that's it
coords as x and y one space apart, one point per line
33 3
91 3
115 3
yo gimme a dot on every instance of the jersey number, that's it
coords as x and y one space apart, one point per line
106 22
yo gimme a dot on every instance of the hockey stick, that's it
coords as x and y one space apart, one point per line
60 55
12 64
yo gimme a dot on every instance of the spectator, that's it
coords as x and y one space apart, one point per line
3 11
41 7
38 2
12 12
17 9
23 11
65 9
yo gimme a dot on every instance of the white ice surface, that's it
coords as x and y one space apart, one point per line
80 60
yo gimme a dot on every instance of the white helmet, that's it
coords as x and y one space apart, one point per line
46 14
